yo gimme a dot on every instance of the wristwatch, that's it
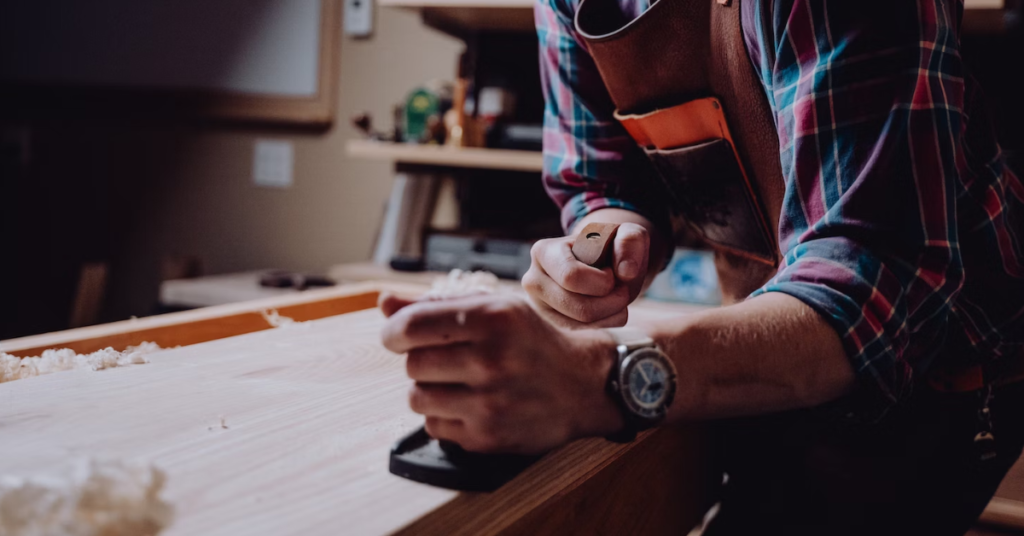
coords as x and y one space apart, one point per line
642 382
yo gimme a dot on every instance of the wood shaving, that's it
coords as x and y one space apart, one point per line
458 284
18 368
223 425
276 320
92 498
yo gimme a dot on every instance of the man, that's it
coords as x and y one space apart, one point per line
869 386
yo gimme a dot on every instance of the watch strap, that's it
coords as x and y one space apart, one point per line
631 338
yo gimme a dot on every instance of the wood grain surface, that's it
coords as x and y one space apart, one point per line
287 431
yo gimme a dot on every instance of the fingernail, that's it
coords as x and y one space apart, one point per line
628 269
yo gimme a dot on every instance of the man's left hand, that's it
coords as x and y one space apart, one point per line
493 376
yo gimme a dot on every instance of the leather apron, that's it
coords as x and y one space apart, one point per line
681 79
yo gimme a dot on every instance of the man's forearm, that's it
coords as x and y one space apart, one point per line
768 354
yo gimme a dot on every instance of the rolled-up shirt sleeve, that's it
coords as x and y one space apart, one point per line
869 107
590 162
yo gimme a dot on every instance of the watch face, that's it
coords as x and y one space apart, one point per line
649 379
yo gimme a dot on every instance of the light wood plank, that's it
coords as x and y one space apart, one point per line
190 327
311 411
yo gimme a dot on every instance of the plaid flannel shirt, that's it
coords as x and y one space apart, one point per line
901 224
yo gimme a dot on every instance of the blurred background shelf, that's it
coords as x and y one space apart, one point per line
465 17
437 155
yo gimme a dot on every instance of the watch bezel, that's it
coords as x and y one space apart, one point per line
631 361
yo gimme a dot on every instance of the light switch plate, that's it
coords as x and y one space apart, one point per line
358 18
273 161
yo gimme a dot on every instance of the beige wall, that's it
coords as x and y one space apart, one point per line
201 200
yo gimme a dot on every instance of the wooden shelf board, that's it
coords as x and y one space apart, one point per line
984 4
464 17
465 4
436 155
528 4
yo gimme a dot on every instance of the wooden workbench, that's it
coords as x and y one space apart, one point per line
310 412
287 431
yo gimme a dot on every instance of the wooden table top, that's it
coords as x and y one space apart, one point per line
311 411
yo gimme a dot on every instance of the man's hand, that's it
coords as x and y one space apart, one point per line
574 295
493 376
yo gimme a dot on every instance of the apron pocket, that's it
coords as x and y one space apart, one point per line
710 191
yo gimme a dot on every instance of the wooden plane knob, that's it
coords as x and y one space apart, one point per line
593 244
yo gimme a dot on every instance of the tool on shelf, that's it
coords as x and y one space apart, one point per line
445 464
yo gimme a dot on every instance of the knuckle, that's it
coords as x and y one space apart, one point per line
571 278
539 247
535 249
394 332
576 310
634 238
640 232
404 321
433 426
531 281
416 400
418 362
585 310
490 371
588 316
634 230
412 365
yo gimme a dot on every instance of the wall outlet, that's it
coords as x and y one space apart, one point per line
358 18
273 162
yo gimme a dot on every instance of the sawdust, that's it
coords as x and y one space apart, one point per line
458 284
18 368
91 498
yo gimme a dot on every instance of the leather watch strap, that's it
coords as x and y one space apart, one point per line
631 338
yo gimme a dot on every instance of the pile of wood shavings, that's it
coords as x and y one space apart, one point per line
18 368
93 498
459 283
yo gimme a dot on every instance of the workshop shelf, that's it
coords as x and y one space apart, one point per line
465 17
445 156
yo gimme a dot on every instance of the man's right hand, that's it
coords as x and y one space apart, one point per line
573 295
